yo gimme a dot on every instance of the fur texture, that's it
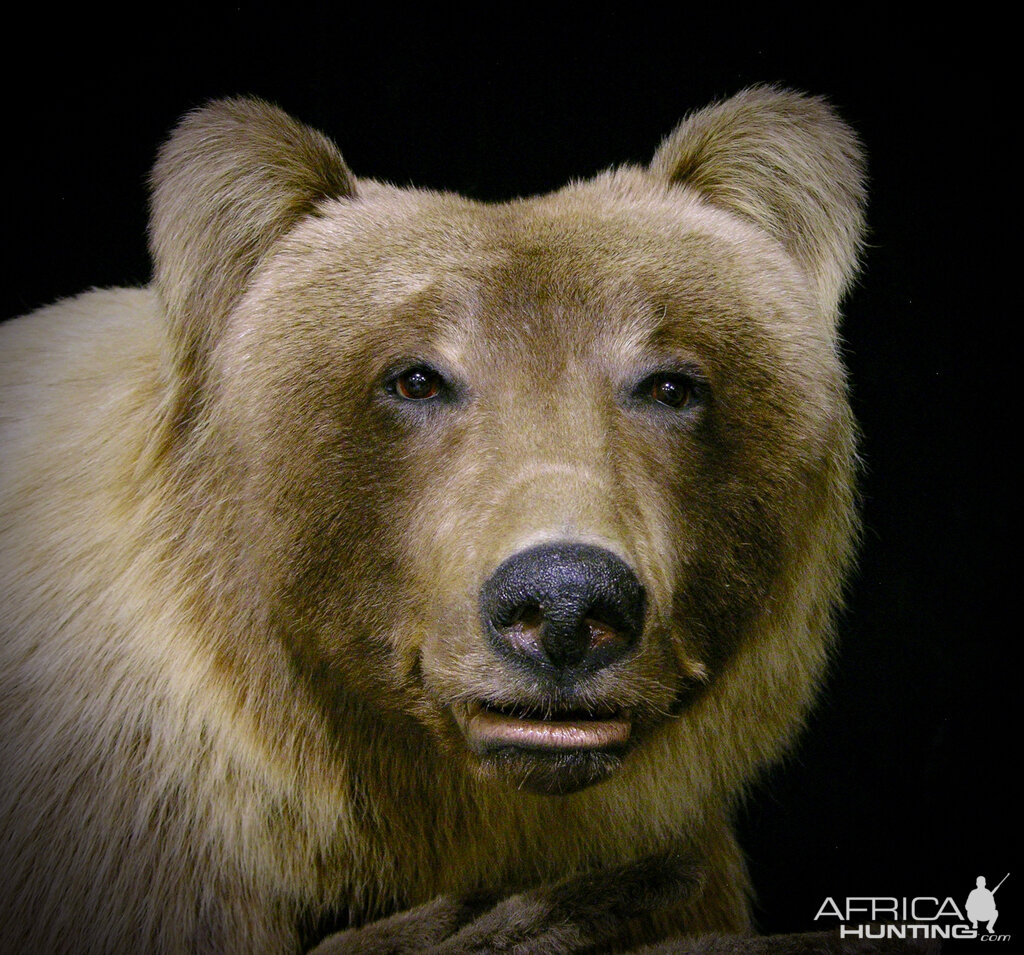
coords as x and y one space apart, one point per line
242 639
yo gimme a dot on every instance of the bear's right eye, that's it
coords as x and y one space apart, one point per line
417 384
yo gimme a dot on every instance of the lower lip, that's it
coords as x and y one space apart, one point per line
488 729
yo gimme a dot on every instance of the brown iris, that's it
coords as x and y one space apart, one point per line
418 384
671 390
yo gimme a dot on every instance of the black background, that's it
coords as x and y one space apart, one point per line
899 786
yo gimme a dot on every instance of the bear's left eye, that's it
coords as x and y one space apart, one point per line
669 388
417 384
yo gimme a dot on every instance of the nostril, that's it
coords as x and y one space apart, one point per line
524 631
528 616
563 606
601 634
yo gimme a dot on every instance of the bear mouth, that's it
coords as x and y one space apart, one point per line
546 752
491 726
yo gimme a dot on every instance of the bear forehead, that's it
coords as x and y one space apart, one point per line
593 238
612 266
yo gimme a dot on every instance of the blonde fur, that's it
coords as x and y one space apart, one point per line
239 593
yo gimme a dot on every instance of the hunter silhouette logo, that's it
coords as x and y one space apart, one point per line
920 917
981 904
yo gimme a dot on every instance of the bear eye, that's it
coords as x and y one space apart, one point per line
668 388
417 384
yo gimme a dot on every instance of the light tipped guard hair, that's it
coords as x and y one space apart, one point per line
785 162
242 634
233 178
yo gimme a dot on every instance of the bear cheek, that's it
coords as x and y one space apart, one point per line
769 494
324 496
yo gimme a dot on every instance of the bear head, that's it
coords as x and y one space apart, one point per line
544 478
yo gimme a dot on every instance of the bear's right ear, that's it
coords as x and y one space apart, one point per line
232 179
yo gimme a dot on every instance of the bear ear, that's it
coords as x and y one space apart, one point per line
232 179
785 162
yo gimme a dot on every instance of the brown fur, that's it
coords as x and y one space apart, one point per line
240 621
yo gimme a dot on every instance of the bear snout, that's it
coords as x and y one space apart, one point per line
563 610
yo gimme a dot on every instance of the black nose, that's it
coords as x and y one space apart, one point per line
563 607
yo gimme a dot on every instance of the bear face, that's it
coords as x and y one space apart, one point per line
392 543
414 388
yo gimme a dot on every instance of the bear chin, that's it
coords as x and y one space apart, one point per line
548 773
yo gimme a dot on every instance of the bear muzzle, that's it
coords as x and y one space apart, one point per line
557 615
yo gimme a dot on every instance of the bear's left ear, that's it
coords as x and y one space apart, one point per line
785 162
234 177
